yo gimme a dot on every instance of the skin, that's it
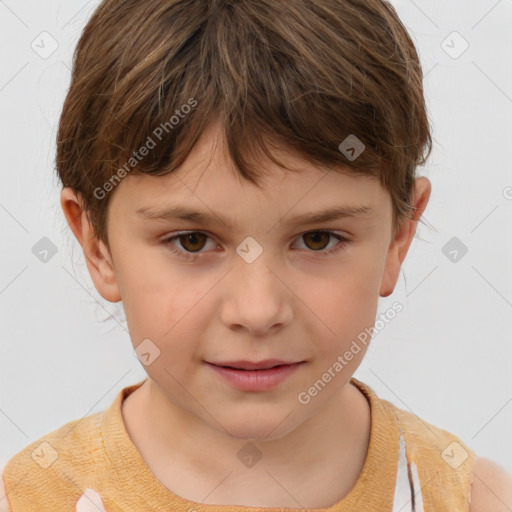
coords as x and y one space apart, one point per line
291 303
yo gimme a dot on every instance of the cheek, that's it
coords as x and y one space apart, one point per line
161 302
340 307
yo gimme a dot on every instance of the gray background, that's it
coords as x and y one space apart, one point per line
447 356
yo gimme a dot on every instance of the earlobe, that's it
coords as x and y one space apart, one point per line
390 276
97 256
101 268
403 237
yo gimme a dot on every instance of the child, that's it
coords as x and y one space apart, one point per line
257 127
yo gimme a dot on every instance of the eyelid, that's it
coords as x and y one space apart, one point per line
184 232
168 240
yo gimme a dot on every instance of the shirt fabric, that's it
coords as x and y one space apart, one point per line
91 464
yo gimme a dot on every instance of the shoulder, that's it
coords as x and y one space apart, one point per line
427 440
491 490
48 462
4 506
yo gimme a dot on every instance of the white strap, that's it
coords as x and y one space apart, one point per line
416 489
408 497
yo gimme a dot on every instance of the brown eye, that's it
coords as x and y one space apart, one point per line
193 241
317 240
190 243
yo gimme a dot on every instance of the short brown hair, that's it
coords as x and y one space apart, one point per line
305 74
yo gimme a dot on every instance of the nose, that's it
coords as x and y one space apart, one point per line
256 298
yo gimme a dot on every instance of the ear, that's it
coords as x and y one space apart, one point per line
403 237
97 256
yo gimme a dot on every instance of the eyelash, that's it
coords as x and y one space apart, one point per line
193 256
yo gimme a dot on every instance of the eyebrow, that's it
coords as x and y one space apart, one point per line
186 214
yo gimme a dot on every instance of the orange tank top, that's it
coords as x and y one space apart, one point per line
91 464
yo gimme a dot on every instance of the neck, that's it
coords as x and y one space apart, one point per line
186 454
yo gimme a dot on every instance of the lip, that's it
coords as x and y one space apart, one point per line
248 365
256 380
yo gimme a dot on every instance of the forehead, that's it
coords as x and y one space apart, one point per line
208 180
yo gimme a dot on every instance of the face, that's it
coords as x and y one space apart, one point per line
252 283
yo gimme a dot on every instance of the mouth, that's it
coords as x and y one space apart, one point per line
266 375
267 364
